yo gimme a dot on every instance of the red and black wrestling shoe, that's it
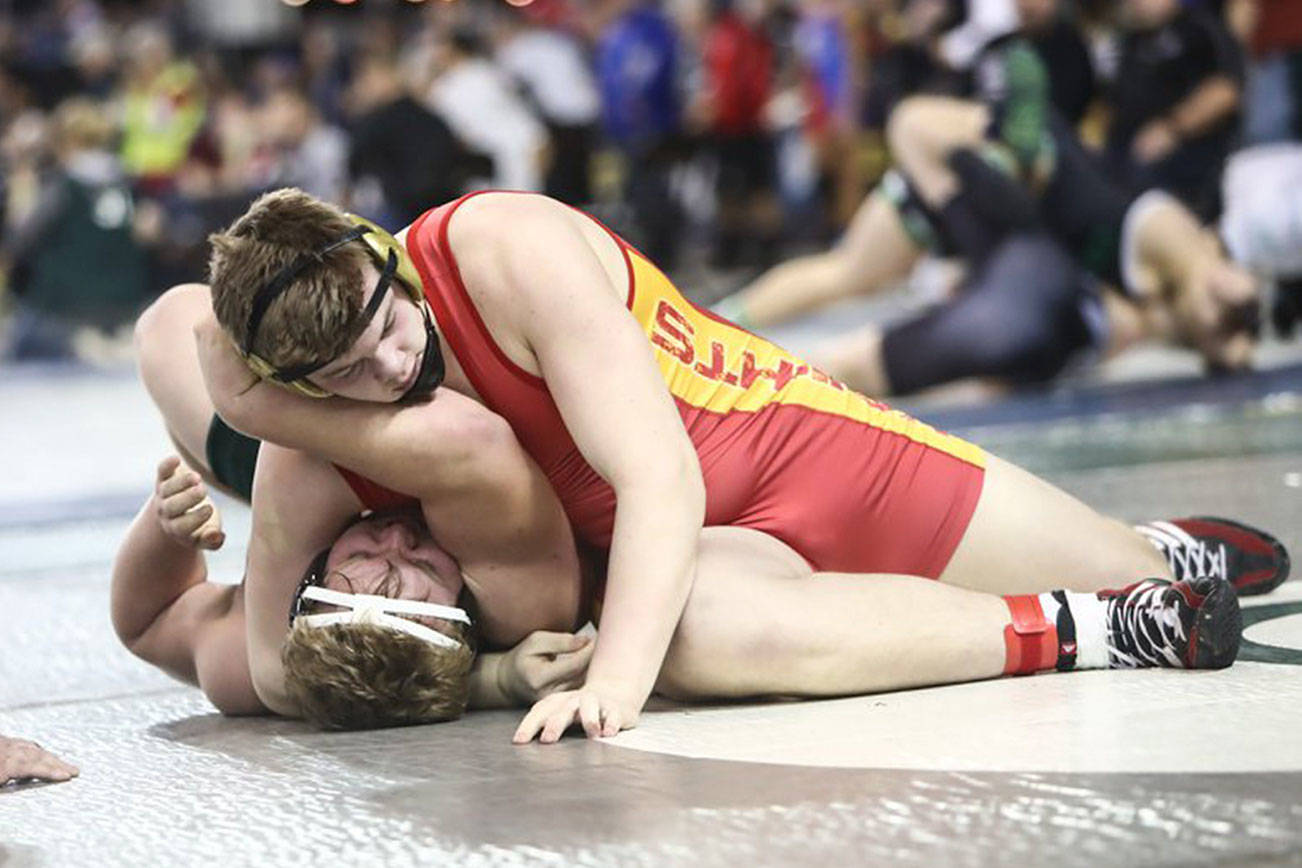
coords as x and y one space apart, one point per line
1190 624
1250 559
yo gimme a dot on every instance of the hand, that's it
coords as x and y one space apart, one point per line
542 664
225 374
603 710
185 511
21 759
1155 140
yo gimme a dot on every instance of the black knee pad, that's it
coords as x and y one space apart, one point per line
232 457
1017 318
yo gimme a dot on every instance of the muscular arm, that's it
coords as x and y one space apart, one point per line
299 506
167 613
410 449
525 256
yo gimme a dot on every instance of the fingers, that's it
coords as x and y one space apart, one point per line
546 642
173 506
559 721
167 467
570 666
534 720
613 723
590 714
184 507
21 760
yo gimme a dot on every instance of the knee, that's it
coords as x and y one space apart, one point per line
907 126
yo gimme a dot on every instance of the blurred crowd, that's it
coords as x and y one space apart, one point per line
732 131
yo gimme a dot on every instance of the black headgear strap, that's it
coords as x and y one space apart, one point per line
316 572
432 370
278 284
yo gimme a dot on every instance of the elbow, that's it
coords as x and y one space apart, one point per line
688 484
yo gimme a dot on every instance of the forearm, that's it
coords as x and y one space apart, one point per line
1210 103
652 566
407 448
150 572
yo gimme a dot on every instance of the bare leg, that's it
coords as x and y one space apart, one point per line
874 252
855 358
1027 536
169 368
760 623
924 130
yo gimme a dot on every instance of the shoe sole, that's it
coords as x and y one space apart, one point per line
1268 583
1218 628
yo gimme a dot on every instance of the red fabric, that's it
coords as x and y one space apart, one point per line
739 75
1279 26
1030 642
848 496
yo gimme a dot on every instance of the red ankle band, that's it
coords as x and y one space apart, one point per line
1030 642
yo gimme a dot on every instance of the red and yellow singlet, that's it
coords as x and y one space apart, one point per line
849 483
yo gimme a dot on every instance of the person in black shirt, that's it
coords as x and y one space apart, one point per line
1176 105
1061 47
404 147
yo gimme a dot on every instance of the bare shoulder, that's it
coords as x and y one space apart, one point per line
497 215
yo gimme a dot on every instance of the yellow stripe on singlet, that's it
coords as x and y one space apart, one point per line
721 368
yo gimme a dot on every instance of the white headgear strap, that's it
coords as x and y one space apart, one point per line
383 611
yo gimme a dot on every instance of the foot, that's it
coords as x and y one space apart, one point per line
1250 559
1189 624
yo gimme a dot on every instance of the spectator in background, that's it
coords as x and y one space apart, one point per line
553 72
1061 46
326 70
84 214
305 152
737 88
402 157
479 104
822 45
1274 100
638 74
163 108
94 55
1176 102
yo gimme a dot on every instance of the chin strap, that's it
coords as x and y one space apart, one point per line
384 612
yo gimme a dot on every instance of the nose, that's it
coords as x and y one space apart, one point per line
396 534
392 362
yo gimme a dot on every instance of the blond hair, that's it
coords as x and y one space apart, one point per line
319 315
364 676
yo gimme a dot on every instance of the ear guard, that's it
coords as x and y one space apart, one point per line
393 261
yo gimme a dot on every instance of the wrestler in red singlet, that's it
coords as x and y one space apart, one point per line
847 482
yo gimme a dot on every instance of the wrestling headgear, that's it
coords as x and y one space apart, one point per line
369 609
393 261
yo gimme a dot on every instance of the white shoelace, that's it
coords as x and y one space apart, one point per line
1186 555
1147 628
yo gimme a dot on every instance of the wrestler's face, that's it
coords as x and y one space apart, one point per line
393 556
385 360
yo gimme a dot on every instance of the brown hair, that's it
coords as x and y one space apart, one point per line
364 676
319 316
